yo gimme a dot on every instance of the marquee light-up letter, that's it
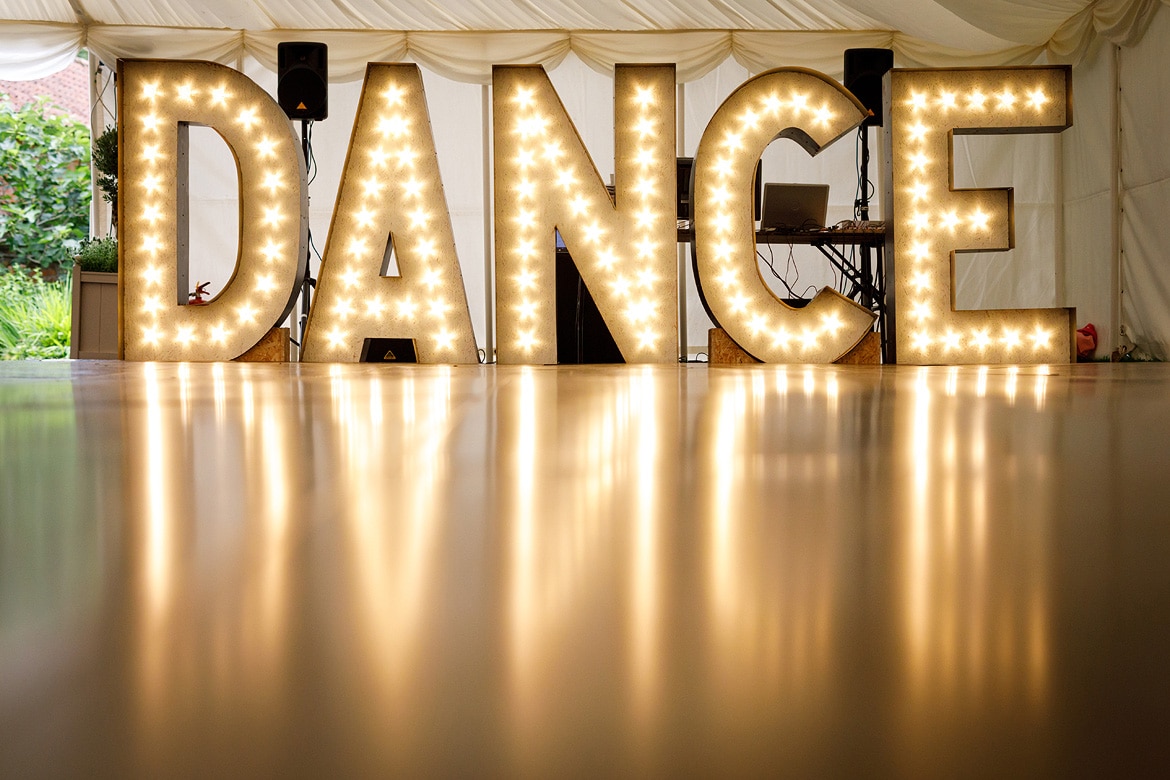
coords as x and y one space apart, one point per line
391 195
932 220
157 101
814 111
546 180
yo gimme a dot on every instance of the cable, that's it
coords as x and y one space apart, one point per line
791 266
864 191
311 167
313 246
858 187
309 283
106 82
579 320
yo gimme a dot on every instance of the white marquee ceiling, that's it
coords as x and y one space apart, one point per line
462 38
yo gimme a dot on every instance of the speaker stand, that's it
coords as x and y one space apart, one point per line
862 206
309 283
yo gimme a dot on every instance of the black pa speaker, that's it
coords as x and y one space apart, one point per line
302 79
864 69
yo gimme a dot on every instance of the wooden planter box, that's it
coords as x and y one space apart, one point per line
95 315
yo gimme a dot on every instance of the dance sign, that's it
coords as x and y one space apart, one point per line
391 198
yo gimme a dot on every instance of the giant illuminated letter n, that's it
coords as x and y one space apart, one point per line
624 248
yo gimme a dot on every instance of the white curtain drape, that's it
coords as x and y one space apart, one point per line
33 51
461 39
1144 185
36 50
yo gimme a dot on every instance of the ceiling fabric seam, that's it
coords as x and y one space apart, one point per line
82 15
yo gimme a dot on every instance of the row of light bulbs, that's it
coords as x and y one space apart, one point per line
155 162
727 199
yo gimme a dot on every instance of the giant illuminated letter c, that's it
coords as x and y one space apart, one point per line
814 111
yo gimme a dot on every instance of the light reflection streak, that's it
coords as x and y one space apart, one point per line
158 518
773 548
248 402
220 393
275 467
185 391
725 465
216 476
974 622
588 549
157 567
391 444
1041 390
525 617
646 596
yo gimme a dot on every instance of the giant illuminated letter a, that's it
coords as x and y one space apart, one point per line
624 248
157 101
933 220
391 199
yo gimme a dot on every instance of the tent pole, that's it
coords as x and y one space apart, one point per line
1061 268
489 345
680 150
1116 249
101 114
97 121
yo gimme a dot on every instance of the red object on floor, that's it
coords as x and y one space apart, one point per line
1086 342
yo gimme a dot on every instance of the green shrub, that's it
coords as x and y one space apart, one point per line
44 186
99 254
105 162
34 316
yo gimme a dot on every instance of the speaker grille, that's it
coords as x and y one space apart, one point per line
302 87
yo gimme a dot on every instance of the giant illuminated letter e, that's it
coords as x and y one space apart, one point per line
932 220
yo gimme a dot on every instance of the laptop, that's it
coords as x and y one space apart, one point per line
794 206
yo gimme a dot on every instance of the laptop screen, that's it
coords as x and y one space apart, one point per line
794 206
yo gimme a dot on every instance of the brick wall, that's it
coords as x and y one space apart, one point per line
67 90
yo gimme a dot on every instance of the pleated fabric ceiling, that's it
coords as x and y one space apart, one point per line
461 39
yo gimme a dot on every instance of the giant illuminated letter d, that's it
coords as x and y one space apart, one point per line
157 101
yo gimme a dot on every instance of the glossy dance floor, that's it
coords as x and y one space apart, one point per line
354 570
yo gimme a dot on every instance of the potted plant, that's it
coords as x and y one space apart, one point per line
95 300
105 165
95 268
